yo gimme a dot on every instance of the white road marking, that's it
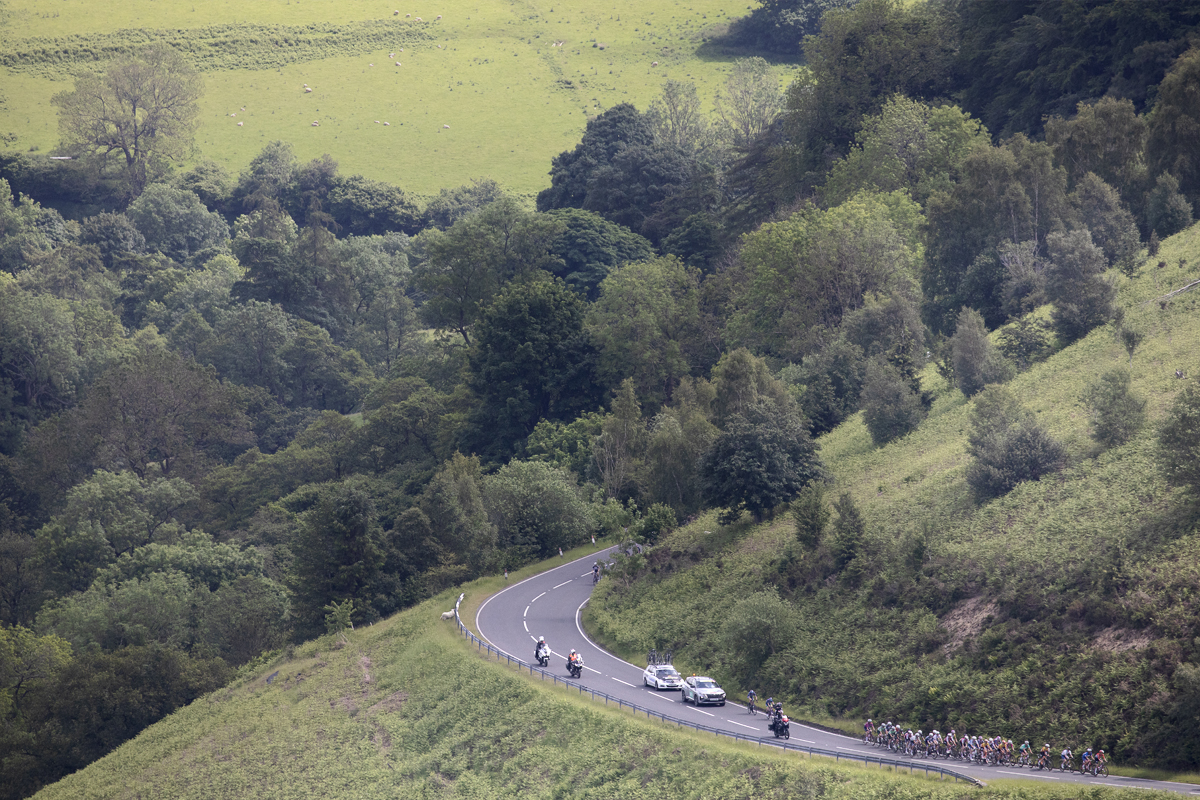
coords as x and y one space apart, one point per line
564 583
526 624
534 600
660 697
750 727
584 575
806 741
851 749
705 713
526 614
585 666
618 680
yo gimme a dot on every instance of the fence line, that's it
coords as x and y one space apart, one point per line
481 646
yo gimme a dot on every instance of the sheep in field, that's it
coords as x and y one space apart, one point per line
447 615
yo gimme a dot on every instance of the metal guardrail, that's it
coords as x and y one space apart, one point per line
682 723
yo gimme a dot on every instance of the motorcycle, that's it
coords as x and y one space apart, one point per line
543 656
781 727
575 668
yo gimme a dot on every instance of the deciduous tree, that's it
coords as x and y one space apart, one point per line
142 109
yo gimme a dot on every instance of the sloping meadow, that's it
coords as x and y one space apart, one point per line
426 96
1062 610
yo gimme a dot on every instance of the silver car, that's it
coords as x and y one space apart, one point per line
701 690
662 676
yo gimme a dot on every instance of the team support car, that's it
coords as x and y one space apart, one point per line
701 690
662 676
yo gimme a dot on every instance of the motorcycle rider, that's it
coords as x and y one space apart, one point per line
541 650
572 660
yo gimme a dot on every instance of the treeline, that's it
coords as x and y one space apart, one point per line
244 410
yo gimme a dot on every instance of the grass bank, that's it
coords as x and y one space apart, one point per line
403 708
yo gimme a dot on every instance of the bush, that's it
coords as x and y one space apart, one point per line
1082 298
891 408
1167 210
763 458
976 362
811 515
1117 413
755 629
536 508
1179 439
1008 446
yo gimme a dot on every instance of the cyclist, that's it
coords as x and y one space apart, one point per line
751 696
1044 756
868 731
1087 760
1025 753
1068 760
595 571
1098 762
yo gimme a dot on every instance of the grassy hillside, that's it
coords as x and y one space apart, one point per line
1063 610
515 82
405 709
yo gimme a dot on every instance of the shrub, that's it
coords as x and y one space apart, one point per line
1008 446
1082 298
1117 413
811 515
1179 439
763 458
1167 210
890 406
976 362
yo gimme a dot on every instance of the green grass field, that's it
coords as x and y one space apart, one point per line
405 708
494 72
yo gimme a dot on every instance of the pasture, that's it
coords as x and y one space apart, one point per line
492 89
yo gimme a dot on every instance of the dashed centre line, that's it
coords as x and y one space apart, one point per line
618 680
534 600
564 583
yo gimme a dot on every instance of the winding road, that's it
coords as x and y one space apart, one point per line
549 604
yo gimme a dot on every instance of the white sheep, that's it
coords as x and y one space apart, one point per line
397 63
445 126
439 16
307 89
370 65
234 114
387 124
376 122
316 124
391 55
655 64
240 124
396 13
418 19
408 15
447 615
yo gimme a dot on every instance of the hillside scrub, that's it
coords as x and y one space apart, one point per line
1052 612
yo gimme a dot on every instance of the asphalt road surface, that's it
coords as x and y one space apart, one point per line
549 605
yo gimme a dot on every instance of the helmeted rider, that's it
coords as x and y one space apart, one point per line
541 648
572 659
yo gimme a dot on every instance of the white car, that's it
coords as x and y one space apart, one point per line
701 690
662 676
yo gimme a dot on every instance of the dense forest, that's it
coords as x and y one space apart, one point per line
241 409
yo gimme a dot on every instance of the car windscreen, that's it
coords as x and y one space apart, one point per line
668 673
706 685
